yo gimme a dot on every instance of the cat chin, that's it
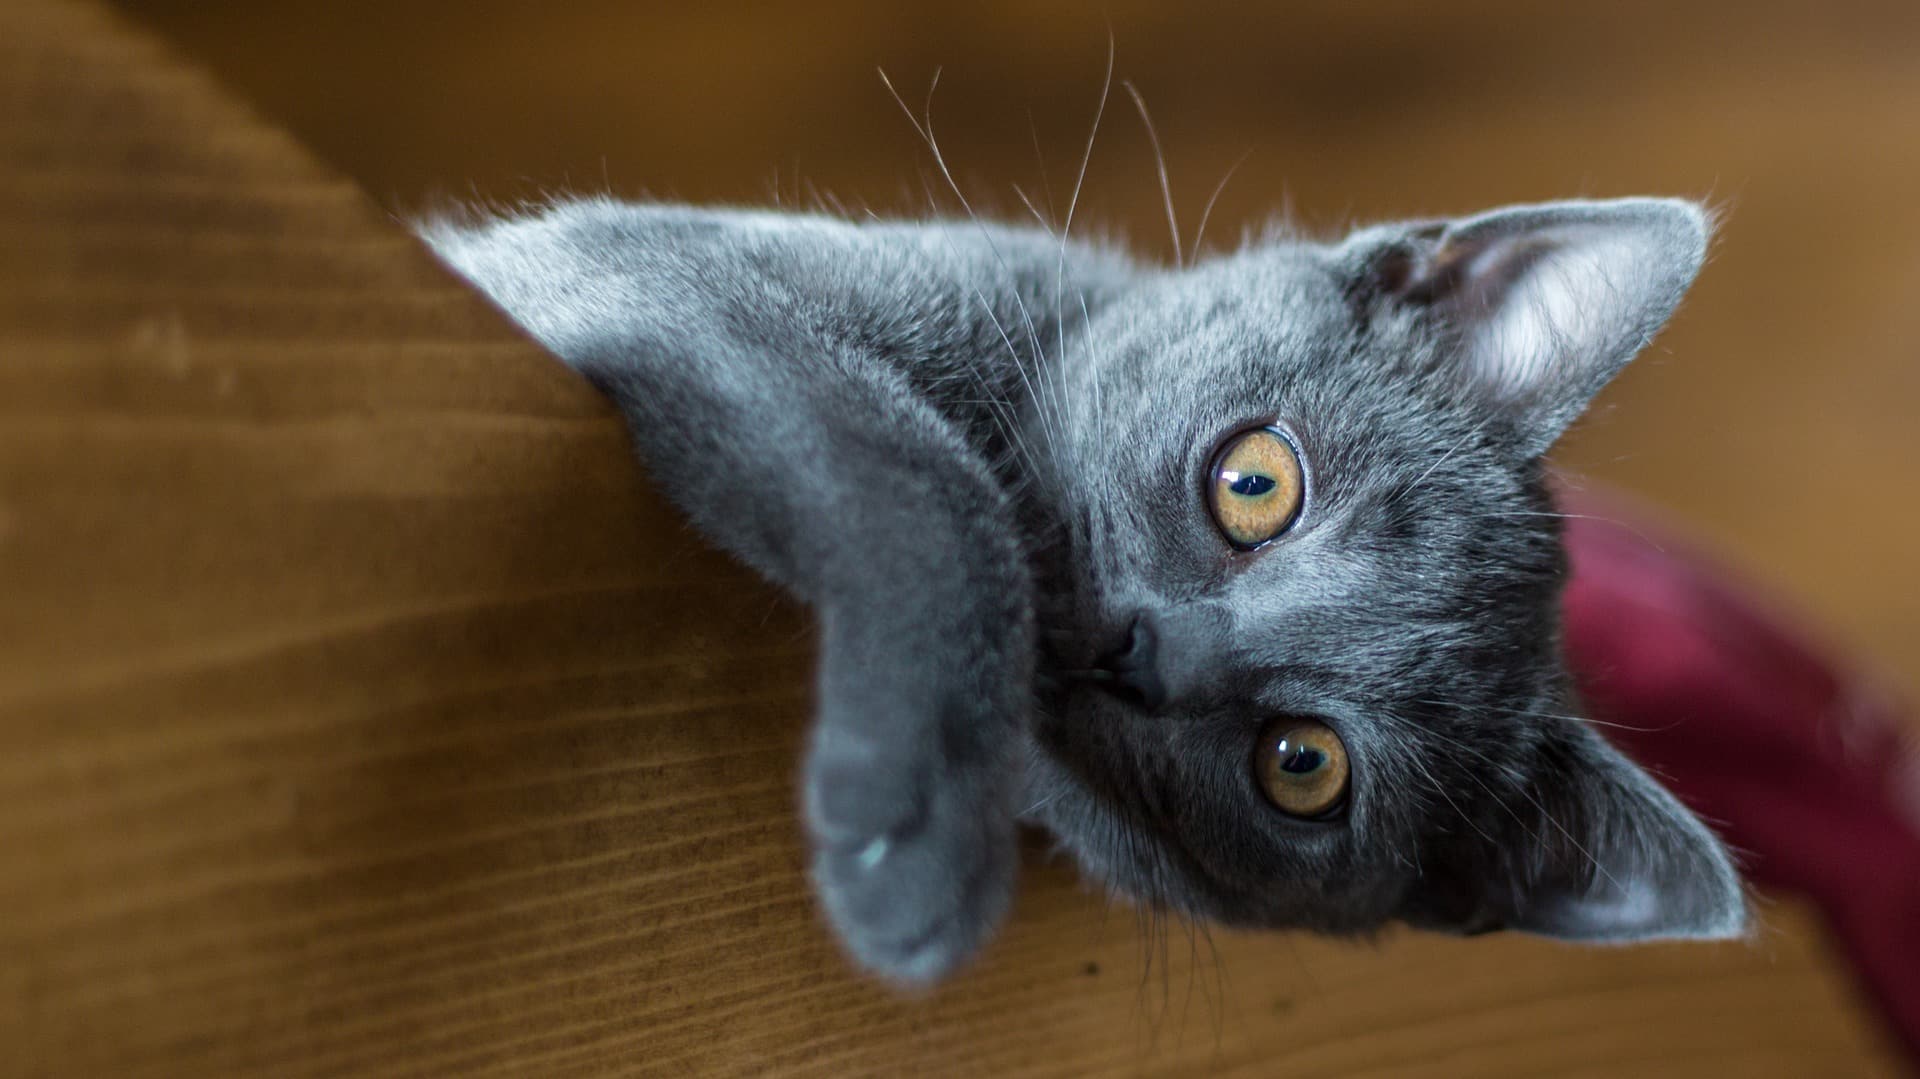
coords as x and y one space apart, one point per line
1057 803
1140 879
1135 869
1109 853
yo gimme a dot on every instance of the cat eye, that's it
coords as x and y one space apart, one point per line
1302 767
1254 491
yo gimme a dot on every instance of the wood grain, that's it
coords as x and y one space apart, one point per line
362 714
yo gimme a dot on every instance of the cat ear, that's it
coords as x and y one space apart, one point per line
1546 303
1611 856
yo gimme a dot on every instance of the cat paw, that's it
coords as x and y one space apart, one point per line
914 862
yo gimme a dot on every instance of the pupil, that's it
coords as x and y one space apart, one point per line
1303 761
1251 485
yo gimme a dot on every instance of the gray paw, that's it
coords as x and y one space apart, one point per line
914 860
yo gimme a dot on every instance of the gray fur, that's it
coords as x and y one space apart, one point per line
978 453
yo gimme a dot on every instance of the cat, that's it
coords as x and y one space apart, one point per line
1240 579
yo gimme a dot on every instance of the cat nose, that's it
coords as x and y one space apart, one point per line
1135 667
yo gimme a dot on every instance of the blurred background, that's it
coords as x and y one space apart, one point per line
1776 416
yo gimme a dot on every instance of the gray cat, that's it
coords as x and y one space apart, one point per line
1241 579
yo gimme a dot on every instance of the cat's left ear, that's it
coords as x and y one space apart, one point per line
1545 303
1598 851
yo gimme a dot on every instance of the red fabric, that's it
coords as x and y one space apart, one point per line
1809 770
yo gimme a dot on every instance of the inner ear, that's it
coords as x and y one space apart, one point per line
1538 307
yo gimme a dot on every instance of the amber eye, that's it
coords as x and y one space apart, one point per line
1254 491
1302 765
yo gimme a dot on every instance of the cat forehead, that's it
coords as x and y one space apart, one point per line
1275 336
1281 290
1219 337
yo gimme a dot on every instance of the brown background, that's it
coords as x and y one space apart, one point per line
361 713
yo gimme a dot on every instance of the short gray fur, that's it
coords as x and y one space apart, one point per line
978 453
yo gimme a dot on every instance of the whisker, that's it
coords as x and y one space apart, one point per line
1095 361
1160 162
1526 713
1040 160
1079 182
1028 203
985 234
1200 234
1073 204
924 127
1219 1001
1445 457
1502 803
1414 760
1569 837
1535 802
1651 542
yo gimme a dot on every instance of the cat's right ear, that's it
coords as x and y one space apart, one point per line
1540 305
1591 849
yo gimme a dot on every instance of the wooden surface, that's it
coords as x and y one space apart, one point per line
362 714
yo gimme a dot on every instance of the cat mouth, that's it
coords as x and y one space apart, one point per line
1128 669
1055 667
1108 683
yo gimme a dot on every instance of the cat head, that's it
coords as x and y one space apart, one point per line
1301 597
